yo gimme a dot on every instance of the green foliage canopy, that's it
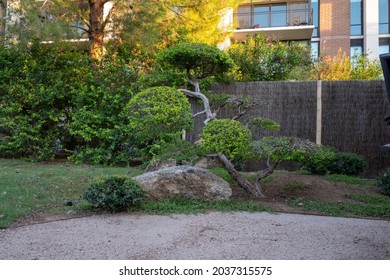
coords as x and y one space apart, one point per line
228 137
158 111
259 59
198 60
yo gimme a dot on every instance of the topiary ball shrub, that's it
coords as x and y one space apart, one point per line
114 193
228 137
384 181
157 112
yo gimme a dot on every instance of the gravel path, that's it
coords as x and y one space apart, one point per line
215 235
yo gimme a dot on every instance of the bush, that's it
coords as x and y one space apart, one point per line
36 88
326 160
157 112
259 59
283 148
114 193
228 137
182 151
384 181
347 164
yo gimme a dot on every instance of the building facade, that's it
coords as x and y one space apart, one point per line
354 26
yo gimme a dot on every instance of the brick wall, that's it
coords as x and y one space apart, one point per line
334 26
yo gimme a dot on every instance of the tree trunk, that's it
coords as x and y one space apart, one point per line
96 35
207 109
238 178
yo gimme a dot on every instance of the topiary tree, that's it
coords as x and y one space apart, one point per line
198 61
228 140
228 137
157 112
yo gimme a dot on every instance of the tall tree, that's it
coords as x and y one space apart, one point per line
204 21
139 22
96 20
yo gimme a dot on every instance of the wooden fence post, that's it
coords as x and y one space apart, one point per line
319 113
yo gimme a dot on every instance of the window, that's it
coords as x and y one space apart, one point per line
315 50
273 15
243 17
278 15
357 48
261 16
384 16
384 45
356 17
315 17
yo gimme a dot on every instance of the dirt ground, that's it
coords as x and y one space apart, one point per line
284 187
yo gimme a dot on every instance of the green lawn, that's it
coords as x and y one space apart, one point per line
27 188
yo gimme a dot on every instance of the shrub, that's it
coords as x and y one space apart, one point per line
228 137
259 59
114 193
326 160
36 88
158 111
384 181
319 160
180 150
278 149
347 164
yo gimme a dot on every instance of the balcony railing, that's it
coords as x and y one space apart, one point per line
285 18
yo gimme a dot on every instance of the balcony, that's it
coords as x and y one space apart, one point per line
282 21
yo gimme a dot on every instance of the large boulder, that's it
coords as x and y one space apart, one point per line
184 181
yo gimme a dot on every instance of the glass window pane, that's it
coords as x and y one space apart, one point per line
278 15
315 50
356 17
314 6
383 16
384 45
383 49
244 17
261 16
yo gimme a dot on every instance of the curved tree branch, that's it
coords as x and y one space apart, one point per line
207 109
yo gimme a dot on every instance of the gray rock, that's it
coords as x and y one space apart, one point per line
185 181
158 165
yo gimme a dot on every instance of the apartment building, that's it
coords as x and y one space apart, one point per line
354 26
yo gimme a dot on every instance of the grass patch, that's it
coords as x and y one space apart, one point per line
350 179
27 188
195 206
221 172
296 185
362 206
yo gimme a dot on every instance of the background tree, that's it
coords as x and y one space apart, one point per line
141 24
260 59
99 21
203 21
344 67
